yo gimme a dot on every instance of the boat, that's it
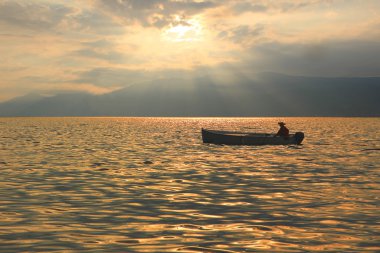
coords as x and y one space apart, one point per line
244 138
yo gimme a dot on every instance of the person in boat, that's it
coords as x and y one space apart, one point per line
283 131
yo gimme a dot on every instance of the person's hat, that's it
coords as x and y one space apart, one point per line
281 123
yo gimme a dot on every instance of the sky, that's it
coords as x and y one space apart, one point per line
98 46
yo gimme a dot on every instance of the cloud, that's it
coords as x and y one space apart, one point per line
34 16
106 55
55 18
264 6
103 50
243 34
92 22
331 58
153 13
111 77
242 7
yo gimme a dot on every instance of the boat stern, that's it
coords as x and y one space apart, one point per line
299 136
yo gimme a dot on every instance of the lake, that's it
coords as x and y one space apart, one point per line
151 185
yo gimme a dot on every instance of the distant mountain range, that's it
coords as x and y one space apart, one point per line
268 95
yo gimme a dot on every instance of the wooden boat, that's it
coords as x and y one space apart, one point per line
242 138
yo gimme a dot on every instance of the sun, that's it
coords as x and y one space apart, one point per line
184 31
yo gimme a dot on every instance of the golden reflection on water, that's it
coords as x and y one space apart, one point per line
150 185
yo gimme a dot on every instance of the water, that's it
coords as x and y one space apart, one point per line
150 185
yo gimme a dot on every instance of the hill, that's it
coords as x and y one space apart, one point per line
269 94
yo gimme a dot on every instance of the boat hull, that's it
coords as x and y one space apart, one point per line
240 138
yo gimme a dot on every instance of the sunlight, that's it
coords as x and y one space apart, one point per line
185 30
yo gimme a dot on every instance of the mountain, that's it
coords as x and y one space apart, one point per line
269 94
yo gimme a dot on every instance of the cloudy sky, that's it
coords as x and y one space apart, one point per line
97 46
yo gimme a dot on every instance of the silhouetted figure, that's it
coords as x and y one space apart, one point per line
283 131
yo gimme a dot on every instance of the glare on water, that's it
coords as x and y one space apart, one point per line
151 185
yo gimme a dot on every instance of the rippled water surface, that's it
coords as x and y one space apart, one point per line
150 185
